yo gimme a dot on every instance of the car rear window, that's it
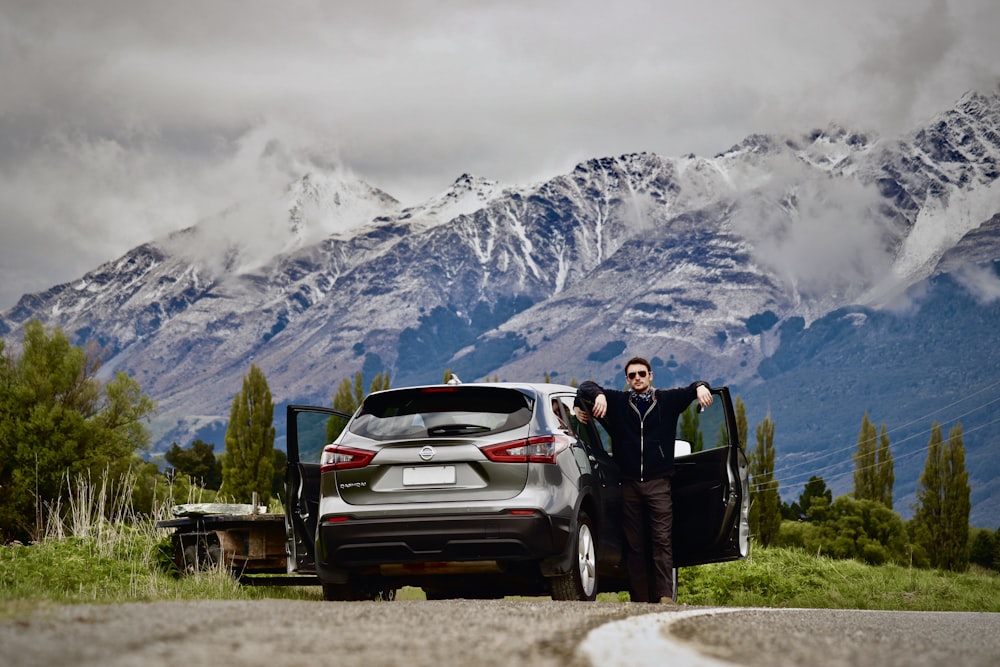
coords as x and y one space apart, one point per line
441 412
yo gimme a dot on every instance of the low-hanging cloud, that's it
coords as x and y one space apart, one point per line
824 236
982 282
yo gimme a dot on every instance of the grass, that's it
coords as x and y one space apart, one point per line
101 553
779 577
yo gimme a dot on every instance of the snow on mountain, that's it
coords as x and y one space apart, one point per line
466 195
694 261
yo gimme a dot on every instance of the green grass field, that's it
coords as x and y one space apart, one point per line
129 564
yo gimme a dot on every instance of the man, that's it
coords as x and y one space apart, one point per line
642 423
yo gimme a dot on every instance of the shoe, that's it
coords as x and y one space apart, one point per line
668 601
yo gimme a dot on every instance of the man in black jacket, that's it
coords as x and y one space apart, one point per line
642 423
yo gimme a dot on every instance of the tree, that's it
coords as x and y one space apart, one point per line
765 502
248 463
349 397
198 463
690 429
885 477
873 465
57 420
741 422
864 462
813 502
864 530
983 548
941 517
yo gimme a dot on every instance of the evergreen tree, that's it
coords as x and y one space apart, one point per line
248 464
198 463
814 496
765 502
941 517
983 548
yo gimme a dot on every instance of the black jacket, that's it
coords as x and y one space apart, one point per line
642 446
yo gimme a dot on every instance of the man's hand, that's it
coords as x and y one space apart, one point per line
600 406
705 397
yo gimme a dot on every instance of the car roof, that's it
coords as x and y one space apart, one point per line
524 387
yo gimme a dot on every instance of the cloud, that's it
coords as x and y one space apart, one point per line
121 121
825 237
982 282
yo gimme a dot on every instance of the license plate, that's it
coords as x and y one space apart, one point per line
424 475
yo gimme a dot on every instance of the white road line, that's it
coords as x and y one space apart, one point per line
644 641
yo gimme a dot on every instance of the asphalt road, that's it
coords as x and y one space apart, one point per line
416 633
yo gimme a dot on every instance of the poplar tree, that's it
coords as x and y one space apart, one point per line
765 502
941 518
874 474
885 470
690 429
741 423
248 463
349 397
864 462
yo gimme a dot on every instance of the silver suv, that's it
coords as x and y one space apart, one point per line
486 490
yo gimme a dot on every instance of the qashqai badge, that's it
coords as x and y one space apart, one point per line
426 453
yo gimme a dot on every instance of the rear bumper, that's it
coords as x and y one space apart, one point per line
360 543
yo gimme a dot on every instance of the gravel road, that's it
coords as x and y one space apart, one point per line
502 633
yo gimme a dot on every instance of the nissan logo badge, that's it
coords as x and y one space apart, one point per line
426 453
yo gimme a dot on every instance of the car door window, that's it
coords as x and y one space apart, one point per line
702 428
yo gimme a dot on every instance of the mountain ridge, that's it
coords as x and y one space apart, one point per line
708 263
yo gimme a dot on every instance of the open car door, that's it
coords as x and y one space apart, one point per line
308 430
711 491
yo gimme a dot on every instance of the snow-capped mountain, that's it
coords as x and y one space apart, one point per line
707 265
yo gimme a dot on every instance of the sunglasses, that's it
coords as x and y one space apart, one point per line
642 374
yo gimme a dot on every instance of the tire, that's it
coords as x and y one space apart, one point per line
190 560
580 583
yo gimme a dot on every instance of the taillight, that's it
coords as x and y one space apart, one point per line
539 449
338 457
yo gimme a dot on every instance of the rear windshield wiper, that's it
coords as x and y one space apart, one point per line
456 429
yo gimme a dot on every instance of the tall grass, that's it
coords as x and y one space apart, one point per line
96 548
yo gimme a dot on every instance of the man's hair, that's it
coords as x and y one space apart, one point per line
638 360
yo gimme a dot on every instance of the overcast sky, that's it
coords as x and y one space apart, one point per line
123 120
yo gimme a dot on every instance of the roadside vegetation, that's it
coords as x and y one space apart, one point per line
109 563
79 505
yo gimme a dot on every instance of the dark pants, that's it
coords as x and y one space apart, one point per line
649 553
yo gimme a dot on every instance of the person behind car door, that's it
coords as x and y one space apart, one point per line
642 423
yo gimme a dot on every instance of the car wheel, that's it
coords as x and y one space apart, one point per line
190 559
581 582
